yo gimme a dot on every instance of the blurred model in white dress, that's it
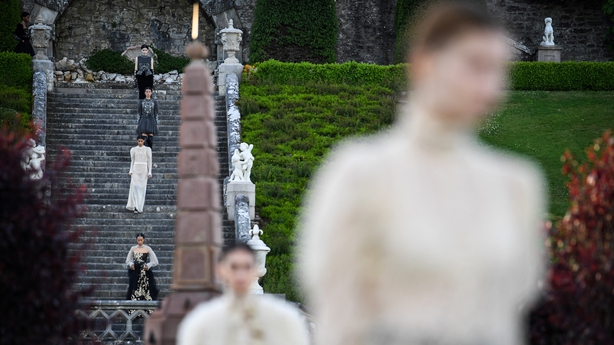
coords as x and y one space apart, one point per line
140 171
421 235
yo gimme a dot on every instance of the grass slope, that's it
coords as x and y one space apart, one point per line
292 127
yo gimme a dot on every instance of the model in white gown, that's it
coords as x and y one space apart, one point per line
421 235
140 170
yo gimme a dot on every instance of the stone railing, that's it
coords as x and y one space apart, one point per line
116 322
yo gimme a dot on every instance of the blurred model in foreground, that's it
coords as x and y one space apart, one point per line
421 235
239 317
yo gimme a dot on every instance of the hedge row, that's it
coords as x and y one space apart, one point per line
9 17
565 76
16 70
527 76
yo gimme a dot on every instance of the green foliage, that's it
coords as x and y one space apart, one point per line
9 18
166 62
351 73
565 76
294 30
608 10
15 121
14 98
109 61
16 70
292 127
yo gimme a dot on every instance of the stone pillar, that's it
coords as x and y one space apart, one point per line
233 117
40 34
198 234
231 40
236 188
242 218
261 250
39 107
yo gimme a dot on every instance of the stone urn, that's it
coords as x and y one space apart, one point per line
261 250
40 34
231 41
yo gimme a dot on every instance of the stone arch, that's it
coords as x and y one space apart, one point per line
81 26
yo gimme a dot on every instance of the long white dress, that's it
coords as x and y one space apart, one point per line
422 236
248 320
140 167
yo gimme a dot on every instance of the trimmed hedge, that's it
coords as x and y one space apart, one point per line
109 61
9 18
14 98
564 76
294 30
529 76
166 62
16 70
350 73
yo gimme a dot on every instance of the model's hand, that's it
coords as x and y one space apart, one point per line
132 267
149 176
146 268
130 173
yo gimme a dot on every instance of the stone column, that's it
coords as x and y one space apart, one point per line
198 234
40 34
231 40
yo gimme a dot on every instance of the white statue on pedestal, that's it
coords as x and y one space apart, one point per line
242 162
261 250
548 39
231 41
34 160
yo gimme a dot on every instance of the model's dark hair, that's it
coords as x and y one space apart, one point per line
144 46
449 20
140 234
236 247
24 14
149 88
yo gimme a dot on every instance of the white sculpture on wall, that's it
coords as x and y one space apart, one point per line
231 41
34 160
261 250
548 39
242 163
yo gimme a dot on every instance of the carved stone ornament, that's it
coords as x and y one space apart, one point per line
231 41
548 38
40 34
242 163
261 250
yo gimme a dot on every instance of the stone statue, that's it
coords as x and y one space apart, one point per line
34 160
237 167
548 39
242 162
41 34
248 160
231 41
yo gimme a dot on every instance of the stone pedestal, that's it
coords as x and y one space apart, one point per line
235 188
261 250
47 67
549 53
224 70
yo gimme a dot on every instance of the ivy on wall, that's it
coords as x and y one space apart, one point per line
294 31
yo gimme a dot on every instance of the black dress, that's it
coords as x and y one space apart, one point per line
144 74
142 284
24 45
148 117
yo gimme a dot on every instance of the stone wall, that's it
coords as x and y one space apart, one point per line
366 31
579 25
117 24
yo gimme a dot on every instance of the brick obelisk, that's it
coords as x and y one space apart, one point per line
198 234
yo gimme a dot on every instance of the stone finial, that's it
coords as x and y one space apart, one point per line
231 41
548 38
196 51
261 250
39 19
230 24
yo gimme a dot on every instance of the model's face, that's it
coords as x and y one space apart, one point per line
140 240
147 93
140 142
26 19
144 51
465 79
238 270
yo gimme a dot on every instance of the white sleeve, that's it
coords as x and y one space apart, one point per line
149 160
131 159
129 261
153 259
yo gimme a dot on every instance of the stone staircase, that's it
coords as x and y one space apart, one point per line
97 126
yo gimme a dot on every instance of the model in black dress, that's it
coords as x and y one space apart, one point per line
21 33
147 125
144 71
141 281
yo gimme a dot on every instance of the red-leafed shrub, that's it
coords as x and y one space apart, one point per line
579 305
37 271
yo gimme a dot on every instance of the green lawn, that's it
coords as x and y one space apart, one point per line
543 124
292 127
